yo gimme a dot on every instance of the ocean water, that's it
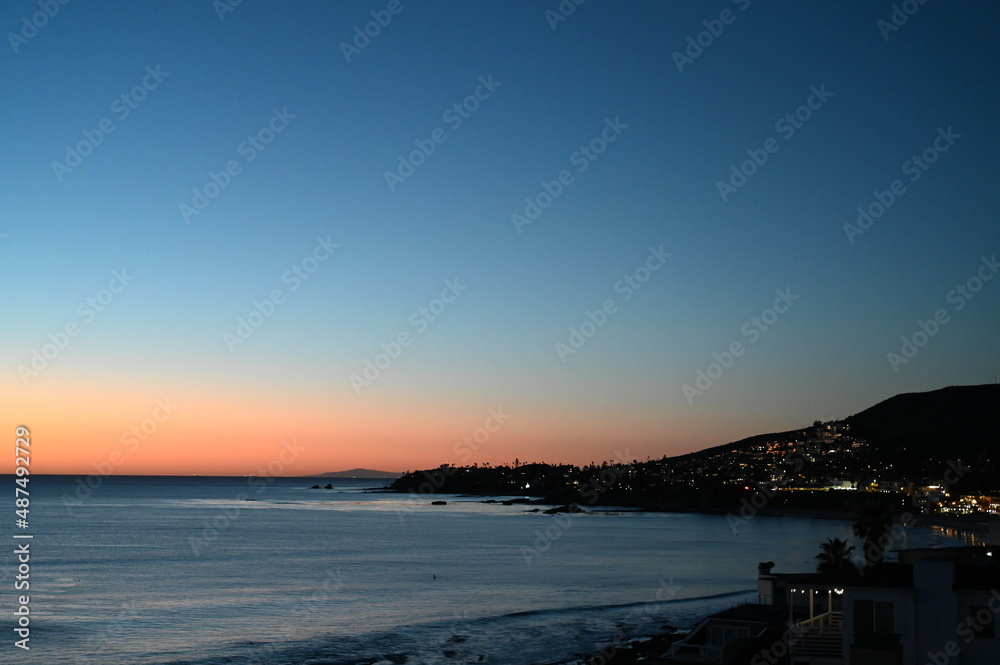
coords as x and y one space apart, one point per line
206 571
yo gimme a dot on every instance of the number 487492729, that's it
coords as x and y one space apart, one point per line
22 462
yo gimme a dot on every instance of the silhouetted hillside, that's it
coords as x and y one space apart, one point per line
360 473
905 439
749 442
936 426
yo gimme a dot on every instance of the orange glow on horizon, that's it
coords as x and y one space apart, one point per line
133 430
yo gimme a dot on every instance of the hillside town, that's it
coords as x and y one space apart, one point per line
822 467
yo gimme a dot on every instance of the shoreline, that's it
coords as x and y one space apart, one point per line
647 649
976 525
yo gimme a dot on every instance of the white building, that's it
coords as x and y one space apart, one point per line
934 606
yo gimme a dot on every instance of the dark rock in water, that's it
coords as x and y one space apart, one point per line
439 503
563 509
533 510
449 654
507 503
489 501
329 486
457 639
314 487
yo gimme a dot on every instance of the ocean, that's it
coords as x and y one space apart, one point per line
241 571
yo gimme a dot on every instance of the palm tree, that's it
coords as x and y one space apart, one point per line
872 525
834 556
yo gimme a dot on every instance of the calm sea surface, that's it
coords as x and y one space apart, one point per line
205 571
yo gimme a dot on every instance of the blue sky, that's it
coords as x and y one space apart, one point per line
323 175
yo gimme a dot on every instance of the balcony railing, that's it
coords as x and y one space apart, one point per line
820 637
828 620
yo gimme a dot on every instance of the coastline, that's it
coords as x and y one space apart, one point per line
648 650
976 525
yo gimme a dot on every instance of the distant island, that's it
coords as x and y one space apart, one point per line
933 452
359 473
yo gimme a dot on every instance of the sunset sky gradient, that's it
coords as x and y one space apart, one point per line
321 182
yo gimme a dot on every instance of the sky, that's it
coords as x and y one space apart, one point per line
298 237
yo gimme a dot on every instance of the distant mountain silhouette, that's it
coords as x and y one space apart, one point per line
945 424
359 473
916 432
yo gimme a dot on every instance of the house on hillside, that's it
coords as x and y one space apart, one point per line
932 606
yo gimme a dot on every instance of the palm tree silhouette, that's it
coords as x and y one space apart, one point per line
835 556
872 525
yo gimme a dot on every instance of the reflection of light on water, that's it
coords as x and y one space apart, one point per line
966 537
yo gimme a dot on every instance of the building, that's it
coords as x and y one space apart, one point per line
932 607
733 636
